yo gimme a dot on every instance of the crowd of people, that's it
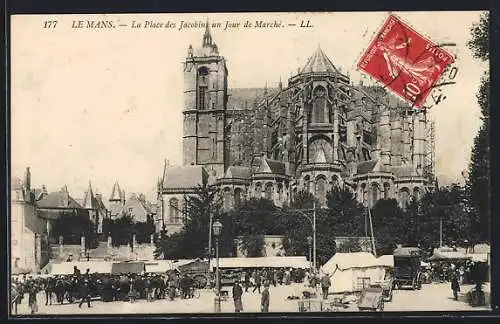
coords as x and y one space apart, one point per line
107 287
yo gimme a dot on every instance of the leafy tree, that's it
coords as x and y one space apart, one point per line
350 245
144 230
168 246
345 213
252 220
423 217
121 230
253 245
342 217
390 226
478 182
73 225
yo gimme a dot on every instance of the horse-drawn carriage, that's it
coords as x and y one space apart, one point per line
407 268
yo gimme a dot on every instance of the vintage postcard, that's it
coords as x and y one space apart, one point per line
249 162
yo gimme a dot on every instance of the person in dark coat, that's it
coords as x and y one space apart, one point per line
237 293
455 286
325 285
85 293
49 289
258 282
247 280
264 300
32 292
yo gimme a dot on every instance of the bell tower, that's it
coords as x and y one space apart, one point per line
205 100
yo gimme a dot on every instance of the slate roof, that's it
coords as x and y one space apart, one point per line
56 200
189 176
239 98
366 166
238 172
319 62
272 166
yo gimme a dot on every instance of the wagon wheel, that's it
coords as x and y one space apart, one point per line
419 281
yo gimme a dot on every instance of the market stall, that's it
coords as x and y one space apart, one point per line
352 272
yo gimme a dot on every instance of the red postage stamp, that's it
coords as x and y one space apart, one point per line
405 61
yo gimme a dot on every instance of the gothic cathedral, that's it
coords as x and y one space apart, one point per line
317 132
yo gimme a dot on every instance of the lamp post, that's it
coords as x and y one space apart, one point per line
217 229
309 241
313 225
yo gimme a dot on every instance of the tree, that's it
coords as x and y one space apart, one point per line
122 230
144 230
478 182
389 226
345 213
252 220
350 245
73 225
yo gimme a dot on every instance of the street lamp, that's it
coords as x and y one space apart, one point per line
217 229
309 242
313 225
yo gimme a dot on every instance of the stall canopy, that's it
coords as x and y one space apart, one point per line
386 260
162 266
448 256
65 268
128 267
297 262
350 272
407 252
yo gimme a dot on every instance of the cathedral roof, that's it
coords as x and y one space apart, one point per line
271 166
242 98
238 172
319 62
188 176
366 166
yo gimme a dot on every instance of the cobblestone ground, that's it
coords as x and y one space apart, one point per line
432 297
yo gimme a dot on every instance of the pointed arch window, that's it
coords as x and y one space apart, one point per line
269 191
174 210
202 88
321 191
319 114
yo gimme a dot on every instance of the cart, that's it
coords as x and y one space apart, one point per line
386 286
407 268
371 299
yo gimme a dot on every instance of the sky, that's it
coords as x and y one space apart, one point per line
102 105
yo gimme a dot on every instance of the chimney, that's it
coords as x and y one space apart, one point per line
123 196
44 190
65 196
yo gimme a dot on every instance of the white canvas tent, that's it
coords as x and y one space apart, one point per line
297 262
352 271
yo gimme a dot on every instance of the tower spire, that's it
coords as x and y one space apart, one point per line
207 37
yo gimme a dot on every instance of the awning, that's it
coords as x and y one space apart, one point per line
128 267
479 257
297 262
448 256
